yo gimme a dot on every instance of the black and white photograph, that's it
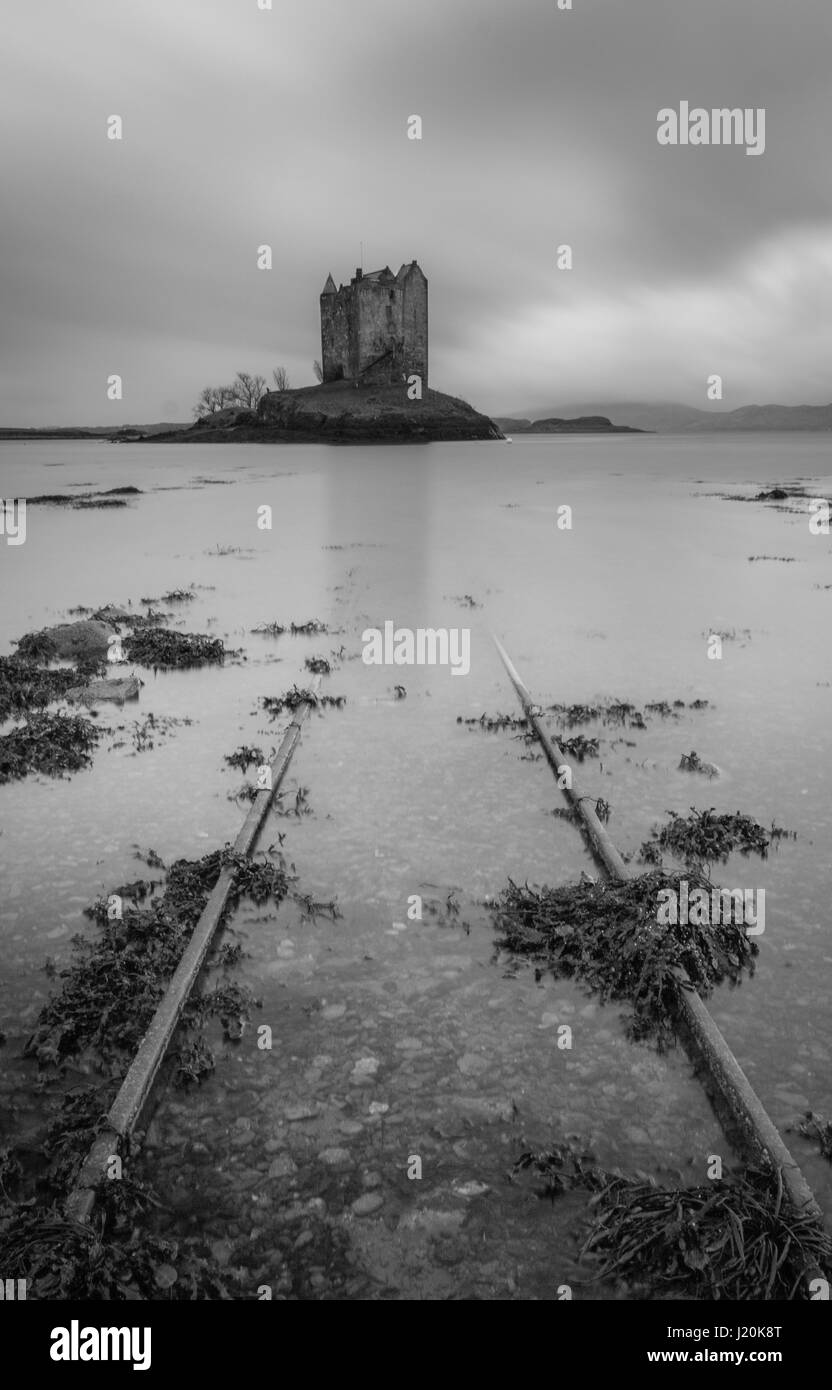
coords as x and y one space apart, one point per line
415 680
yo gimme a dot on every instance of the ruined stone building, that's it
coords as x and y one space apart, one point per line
375 329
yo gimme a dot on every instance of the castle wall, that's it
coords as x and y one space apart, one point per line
415 324
380 318
376 327
335 336
354 355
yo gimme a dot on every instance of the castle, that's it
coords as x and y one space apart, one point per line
375 329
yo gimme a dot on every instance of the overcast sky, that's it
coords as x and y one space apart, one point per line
289 127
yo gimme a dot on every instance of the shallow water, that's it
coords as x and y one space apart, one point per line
406 801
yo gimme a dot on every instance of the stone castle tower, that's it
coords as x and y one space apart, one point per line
375 329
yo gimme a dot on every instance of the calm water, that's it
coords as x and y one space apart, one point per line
406 801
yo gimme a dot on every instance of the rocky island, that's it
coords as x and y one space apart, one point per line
341 412
373 377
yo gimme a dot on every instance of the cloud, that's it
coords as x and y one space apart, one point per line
288 127
734 325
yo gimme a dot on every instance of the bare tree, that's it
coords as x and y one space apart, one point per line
245 390
204 404
318 370
281 379
249 390
211 399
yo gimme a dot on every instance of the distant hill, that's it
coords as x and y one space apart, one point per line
87 431
511 426
583 424
671 417
770 417
162 427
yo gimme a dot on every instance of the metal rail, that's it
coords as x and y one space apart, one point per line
760 1137
135 1089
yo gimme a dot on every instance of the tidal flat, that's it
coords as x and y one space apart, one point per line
397 1037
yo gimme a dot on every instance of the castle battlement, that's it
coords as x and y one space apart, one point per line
375 329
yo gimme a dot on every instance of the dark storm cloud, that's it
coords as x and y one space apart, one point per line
288 127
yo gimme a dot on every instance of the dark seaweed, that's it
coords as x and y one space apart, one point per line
736 1238
705 836
161 648
54 744
245 757
115 981
318 665
23 686
607 936
294 698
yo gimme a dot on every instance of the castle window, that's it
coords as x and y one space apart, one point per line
392 295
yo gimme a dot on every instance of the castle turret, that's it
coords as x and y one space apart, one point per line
329 287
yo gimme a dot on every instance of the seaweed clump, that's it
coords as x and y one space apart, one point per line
311 628
608 937
244 757
580 747
691 762
704 836
736 1238
294 698
106 1262
81 501
112 1257
318 665
55 744
114 983
620 713
161 647
816 1127
494 722
23 686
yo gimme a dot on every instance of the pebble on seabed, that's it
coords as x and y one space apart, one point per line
367 1204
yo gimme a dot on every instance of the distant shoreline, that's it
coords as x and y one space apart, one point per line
624 417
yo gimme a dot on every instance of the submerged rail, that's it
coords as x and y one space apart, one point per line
761 1137
135 1089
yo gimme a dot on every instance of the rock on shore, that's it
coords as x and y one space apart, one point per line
118 690
87 639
